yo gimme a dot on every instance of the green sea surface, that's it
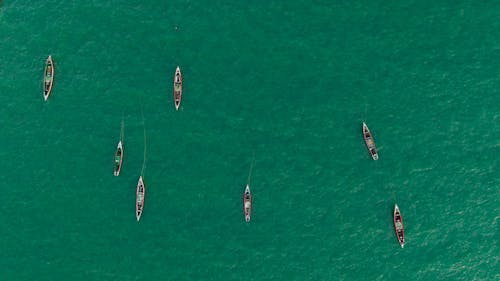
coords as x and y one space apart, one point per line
291 81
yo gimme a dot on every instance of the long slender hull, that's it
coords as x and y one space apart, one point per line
140 198
247 204
370 143
48 78
177 88
398 226
118 158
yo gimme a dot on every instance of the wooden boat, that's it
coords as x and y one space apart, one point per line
140 196
247 203
398 226
118 158
48 78
177 88
370 143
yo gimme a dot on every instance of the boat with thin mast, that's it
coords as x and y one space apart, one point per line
119 153
141 187
370 143
48 77
140 196
177 88
247 196
398 226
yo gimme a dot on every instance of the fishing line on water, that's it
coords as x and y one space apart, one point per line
122 127
366 111
251 168
144 128
394 197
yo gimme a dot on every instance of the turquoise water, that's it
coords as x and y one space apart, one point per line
290 81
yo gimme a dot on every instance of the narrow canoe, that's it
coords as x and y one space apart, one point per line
247 203
48 78
140 196
398 226
370 143
177 88
118 158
